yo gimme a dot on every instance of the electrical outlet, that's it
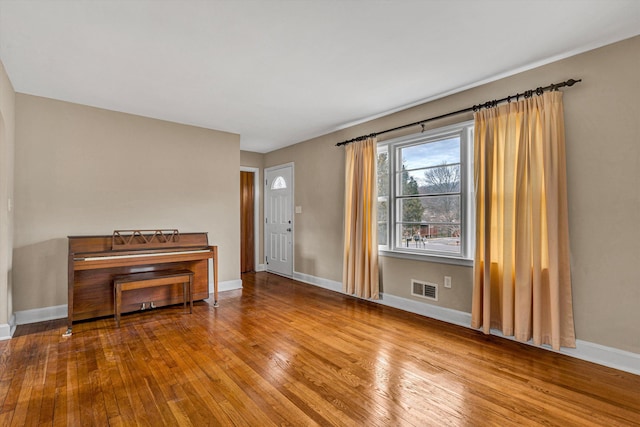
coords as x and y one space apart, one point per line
447 282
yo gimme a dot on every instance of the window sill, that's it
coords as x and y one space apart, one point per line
426 257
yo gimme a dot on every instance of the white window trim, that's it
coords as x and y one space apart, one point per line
465 258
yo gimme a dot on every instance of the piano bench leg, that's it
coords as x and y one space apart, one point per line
190 288
117 300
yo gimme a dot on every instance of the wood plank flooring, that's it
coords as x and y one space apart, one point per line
281 352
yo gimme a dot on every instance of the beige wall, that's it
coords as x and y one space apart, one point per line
251 159
82 170
7 126
319 190
256 160
603 149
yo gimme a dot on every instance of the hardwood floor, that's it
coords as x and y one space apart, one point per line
281 352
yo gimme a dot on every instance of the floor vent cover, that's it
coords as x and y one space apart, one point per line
424 289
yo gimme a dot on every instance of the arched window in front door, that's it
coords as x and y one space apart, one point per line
279 183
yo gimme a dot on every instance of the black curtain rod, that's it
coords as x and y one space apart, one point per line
488 104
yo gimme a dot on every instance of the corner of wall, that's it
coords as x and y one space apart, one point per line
7 150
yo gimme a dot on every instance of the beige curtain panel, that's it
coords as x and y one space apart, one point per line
360 271
522 281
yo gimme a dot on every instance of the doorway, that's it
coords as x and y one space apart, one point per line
278 212
248 219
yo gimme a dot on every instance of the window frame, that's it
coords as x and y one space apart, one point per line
463 130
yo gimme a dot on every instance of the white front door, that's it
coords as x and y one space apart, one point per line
278 214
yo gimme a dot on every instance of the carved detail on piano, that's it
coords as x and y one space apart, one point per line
144 239
93 263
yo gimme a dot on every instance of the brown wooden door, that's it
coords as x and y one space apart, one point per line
247 242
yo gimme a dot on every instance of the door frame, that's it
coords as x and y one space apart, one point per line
293 228
256 214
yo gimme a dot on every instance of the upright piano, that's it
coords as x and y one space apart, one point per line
95 260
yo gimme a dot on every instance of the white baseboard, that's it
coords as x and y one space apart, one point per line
331 285
603 355
227 285
448 315
261 267
41 314
591 352
5 331
12 323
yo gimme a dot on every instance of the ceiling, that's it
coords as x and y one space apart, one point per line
279 72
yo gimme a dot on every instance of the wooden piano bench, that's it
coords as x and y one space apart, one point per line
151 279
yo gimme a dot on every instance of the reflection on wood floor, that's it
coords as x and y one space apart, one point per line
281 352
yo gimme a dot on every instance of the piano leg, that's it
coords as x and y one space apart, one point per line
214 249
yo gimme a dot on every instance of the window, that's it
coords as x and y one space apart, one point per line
425 185
279 183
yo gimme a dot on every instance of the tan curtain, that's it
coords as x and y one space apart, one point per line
522 282
360 271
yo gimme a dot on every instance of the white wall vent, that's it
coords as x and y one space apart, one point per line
424 289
